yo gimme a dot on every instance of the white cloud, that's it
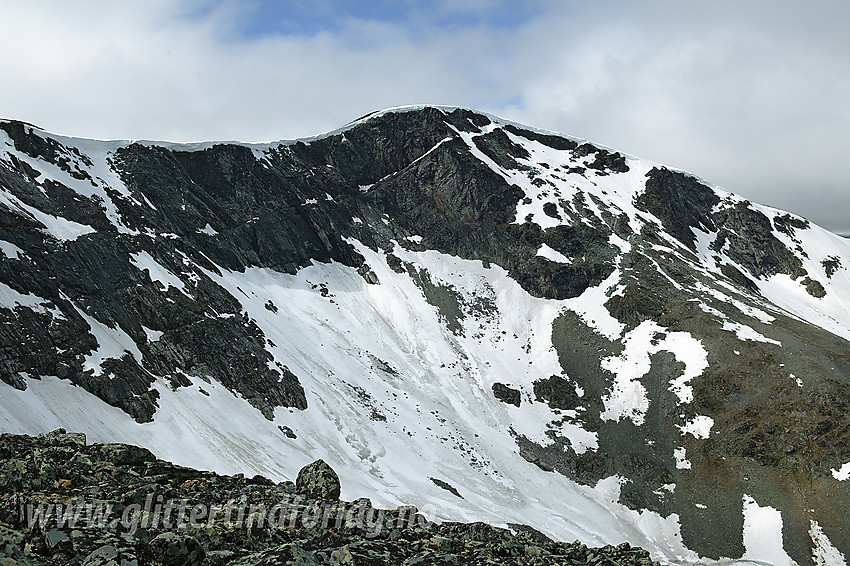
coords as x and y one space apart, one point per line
752 96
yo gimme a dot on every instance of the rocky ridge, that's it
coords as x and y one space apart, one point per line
116 504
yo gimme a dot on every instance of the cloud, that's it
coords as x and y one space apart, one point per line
144 70
754 96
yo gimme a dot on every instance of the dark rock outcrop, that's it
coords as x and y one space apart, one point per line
680 202
749 240
507 394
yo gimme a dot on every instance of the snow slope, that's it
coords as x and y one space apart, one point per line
440 419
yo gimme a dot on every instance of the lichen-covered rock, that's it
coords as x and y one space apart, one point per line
175 549
60 437
57 540
318 481
123 454
814 288
254 521
11 542
106 555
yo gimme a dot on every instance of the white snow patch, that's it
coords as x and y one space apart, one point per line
823 552
831 312
10 298
682 462
153 335
744 308
157 273
665 489
698 427
690 352
208 230
147 202
763 535
113 343
703 250
580 439
744 332
590 306
627 397
439 143
842 473
60 228
11 251
514 338
710 310
552 255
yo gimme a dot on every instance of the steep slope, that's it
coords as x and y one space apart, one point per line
451 309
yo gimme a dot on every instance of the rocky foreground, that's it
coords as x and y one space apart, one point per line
65 502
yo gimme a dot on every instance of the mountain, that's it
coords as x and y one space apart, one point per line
485 320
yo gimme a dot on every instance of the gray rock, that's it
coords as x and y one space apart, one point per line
106 555
57 540
123 454
60 437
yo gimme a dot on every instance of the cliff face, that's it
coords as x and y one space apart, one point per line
534 312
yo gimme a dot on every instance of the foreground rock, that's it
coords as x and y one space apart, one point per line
318 481
64 502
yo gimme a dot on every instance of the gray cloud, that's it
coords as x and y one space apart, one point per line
753 96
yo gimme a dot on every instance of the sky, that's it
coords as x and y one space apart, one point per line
751 95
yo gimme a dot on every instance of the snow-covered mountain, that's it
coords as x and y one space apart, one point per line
485 320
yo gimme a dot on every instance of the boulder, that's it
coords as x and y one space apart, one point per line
318 481
177 548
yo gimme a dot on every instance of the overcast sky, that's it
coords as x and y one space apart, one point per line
753 95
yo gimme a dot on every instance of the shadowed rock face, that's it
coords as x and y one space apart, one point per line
680 202
138 259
